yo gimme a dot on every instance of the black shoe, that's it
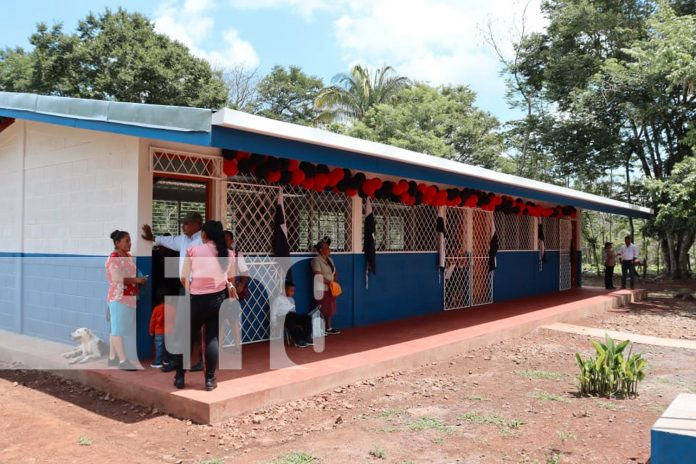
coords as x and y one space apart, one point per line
179 380
332 331
301 344
168 367
126 366
210 383
309 342
112 362
198 367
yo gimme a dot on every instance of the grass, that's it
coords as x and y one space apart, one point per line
477 398
378 453
428 423
545 396
540 375
691 388
390 429
84 441
438 441
608 405
296 458
212 461
503 424
566 435
554 458
391 414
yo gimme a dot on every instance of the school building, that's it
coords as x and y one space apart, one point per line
73 170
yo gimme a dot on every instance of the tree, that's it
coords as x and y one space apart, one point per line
288 95
439 121
619 76
113 56
242 83
351 95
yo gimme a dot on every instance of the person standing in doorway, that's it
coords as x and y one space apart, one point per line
609 257
122 297
324 268
191 227
208 275
629 256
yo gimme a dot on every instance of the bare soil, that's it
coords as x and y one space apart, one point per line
511 402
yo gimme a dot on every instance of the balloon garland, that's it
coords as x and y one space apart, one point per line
321 178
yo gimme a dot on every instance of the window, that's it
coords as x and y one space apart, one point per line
514 232
404 228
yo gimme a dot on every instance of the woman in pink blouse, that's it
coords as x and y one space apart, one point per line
208 276
123 293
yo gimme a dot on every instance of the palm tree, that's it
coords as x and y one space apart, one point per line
351 95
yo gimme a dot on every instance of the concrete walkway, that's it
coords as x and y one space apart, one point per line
354 355
635 338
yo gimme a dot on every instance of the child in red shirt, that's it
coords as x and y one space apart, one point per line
161 323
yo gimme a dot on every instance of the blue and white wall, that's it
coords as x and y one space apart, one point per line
64 191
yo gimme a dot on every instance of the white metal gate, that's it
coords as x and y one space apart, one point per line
564 271
468 281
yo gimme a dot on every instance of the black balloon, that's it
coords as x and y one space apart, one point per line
285 177
323 169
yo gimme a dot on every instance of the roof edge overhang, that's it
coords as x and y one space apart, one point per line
242 131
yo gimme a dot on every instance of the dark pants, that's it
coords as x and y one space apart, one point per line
608 277
299 325
205 310
626 267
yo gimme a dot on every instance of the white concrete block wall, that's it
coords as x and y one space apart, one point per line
80 185
11 147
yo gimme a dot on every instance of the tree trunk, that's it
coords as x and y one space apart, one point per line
664 247
687 240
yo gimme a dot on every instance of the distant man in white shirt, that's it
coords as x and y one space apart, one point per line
628 253
299 325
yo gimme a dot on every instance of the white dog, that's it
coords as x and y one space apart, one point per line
90 347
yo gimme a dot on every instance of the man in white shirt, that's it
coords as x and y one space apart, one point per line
191 228
628 253
299 325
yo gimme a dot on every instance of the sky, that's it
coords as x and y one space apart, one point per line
438 41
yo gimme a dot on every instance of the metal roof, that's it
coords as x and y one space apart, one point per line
269 127
237 130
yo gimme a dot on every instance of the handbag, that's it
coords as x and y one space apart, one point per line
108 314
335 288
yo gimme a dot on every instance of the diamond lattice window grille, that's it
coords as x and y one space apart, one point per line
565 238
514 232
309 216
165 161
551 233
404 228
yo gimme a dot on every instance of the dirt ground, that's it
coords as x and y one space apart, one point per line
510 402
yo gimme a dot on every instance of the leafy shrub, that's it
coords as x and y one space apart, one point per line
610 374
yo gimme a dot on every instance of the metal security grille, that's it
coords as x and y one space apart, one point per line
309 216
565 233
551 237
514 232
468 281
168 161
404 228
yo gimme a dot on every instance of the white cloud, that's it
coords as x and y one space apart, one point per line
193 25
306 8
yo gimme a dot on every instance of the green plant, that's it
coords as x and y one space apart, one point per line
566 435
608 405
554 458
544 396
504 425
540 375
477 398
428 423
692 388
212 461
378 453
609 373
84 441
391 414
296 458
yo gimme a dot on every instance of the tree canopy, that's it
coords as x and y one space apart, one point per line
288 95
115 55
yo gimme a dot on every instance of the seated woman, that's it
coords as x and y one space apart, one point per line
299 325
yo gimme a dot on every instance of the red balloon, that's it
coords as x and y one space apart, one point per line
230 168
471 201
298 177
294 165
422 187
308 183
441 198
401 187
336 175
321 181
404 197
243 155
273 177
377 182
432 191
368 188
351 192
410 201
